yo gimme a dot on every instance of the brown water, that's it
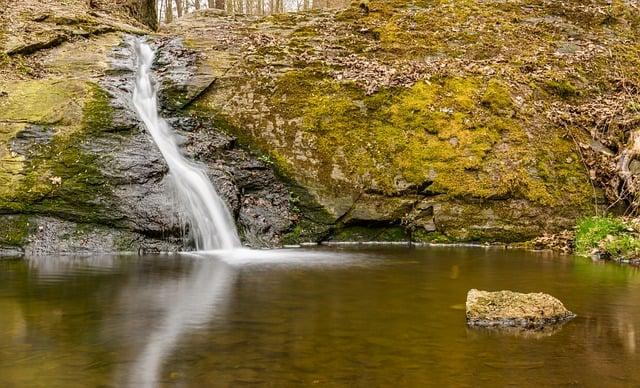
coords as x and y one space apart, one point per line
328 317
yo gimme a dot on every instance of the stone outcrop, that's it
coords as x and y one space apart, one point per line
514 309
80 174
422 122
411 122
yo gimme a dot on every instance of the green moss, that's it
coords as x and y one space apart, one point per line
391 36
43 101
591 231
12 164
97 112
497 97
422 236
306 31
563 88
14 230
445 131
370 233
60 177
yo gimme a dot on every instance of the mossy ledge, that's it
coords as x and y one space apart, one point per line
405 118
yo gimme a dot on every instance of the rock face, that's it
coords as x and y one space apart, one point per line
80 174
412 122
514 309
422 122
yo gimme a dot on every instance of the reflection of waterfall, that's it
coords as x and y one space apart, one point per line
211 224
190 304
54 269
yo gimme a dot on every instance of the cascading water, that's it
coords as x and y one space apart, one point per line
209 218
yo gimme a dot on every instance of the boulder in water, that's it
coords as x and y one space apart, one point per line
514 309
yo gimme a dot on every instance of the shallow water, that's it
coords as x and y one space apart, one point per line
376 316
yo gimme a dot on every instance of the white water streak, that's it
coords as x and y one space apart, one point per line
209 218
189 304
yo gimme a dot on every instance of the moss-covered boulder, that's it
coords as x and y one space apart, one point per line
439 117
514 309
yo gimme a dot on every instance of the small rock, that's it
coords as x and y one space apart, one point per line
514 309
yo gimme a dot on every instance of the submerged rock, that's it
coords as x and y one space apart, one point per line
514 309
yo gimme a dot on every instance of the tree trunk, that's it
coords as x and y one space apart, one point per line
218 4
168 12
179 7
196 4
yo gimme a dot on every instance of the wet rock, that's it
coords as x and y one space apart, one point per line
31 136
127 203
10 252
514 309
53 235
515 331
257 198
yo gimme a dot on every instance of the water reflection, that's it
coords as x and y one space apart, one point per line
165 299
55 269
192 301
189 303
286 257
365 317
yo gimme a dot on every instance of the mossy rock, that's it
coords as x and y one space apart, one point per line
384 105
14 230
56 175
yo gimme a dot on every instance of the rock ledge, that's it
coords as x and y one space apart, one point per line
514 309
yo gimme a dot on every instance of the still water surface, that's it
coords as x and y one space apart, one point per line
328 317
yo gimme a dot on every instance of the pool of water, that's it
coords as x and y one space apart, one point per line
377 316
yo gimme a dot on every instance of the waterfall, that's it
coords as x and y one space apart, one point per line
210 221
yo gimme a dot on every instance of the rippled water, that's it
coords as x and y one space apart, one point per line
329 316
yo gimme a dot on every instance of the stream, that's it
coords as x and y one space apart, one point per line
331 316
